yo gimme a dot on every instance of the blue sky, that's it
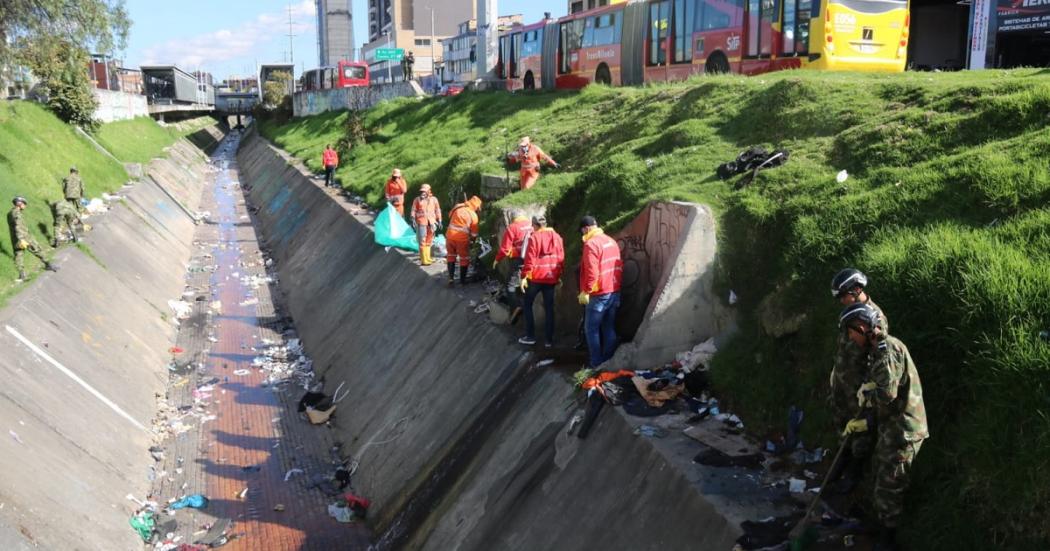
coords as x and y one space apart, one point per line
229 37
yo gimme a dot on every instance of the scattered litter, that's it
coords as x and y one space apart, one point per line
650 431
796 485
242 493
96 206
319 417
279 507
181 308
241 372
195 501
842 176
340 512
250 302
698 358
15 436
752 159
544 363
292 472
805 457
143 523
732 297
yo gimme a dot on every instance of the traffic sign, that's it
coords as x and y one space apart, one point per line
389 54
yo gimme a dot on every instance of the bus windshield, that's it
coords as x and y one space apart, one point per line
356 73
871 6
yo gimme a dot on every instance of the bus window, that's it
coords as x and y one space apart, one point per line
659 14
515 55
683 30
504 54
765 45
571 37
588 32
752 27
788 26
606 29
353 72
802 30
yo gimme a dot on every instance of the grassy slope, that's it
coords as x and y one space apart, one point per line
36 151
140 139
946 208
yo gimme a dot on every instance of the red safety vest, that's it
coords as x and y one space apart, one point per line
544 257
514 239
601 270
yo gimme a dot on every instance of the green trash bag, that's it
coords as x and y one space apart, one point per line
143 524
392 231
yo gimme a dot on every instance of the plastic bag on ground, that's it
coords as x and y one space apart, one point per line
392 230
196 501
143 524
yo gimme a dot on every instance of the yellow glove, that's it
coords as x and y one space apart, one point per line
23 244
584 298
856 426
524 284
863 395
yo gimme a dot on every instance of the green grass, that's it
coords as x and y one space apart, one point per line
36 151
140 139
947 208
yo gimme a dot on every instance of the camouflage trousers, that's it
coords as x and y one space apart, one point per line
75 203
65 222
33 248
892 476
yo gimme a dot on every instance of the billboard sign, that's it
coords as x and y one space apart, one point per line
1023 15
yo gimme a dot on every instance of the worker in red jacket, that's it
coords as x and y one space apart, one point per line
531 157
512 246
330 160
396 188
601 273
541 273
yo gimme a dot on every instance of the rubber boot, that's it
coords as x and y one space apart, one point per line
451 273
463 275
427 261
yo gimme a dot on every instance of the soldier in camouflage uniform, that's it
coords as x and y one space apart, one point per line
847 374
65 217
22 240
73 189
894 392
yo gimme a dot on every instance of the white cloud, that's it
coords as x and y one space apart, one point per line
230 44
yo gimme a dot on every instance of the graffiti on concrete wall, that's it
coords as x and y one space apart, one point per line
319 101
647 246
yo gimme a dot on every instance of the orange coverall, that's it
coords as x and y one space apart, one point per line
530 157
426 212
396 188
462 227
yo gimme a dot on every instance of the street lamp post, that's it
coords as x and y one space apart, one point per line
389 76
433 73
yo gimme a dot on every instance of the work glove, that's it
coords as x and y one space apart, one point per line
23 244
855 426
584 298
524 284
865 394
437 226
556 165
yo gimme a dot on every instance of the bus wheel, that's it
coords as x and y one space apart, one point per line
530 82
603 76
716 64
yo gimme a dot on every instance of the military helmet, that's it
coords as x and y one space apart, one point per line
19 199
846 280
859 311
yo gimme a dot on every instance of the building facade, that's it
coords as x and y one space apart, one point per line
335 32
415 26
459 52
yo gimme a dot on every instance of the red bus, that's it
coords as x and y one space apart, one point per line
643 41
346 74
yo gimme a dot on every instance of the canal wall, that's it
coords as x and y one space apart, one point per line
459 440
85 354
313 102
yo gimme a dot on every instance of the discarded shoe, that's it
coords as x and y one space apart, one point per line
527 341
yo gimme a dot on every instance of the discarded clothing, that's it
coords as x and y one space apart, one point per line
716 458
751 160
640 408
650 431
316 400
696 382
319 417
340 511
195 501
767 532
358 505
595 403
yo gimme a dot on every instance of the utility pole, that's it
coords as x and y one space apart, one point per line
433 60
291 50
488 35
389 77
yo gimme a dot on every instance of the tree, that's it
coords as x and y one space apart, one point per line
53 38
276 87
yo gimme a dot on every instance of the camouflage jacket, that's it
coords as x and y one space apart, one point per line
899 408
62 208
17 222
849 372
73 187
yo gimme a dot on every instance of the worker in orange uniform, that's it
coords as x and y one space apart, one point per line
512 246
426 219
396 188
462 229
330 160
531 157
601 273
541 273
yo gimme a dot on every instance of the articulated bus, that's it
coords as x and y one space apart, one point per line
346 74
643 41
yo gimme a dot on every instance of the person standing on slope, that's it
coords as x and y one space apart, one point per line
462 230
426 219
531 157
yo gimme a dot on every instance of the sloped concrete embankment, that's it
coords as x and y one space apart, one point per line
85 350
460 442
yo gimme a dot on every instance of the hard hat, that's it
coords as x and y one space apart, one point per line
397 173
19 199
73 168
524 141
425 187
846 280
859 311
474 202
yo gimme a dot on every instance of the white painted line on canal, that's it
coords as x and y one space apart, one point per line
14 332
